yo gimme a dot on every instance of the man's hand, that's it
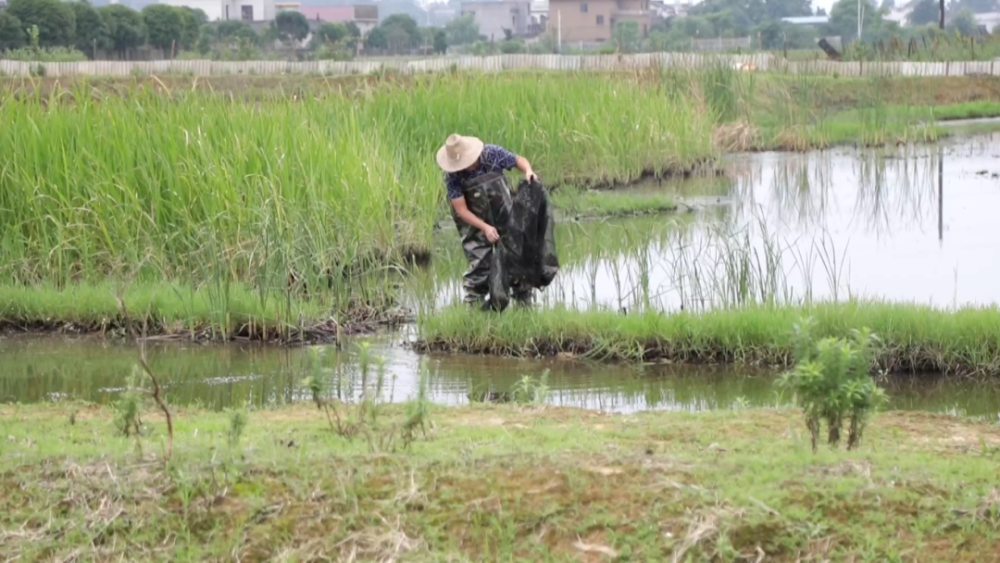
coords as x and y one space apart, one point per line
530 176
491 233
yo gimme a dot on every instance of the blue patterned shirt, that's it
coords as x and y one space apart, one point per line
493 159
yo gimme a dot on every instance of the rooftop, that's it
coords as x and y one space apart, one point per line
807 20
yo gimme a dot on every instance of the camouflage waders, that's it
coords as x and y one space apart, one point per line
487 197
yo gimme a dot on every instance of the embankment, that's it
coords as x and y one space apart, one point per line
914 338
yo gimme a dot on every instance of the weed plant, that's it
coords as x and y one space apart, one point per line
831 382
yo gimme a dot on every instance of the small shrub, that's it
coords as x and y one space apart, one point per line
127 409
831 382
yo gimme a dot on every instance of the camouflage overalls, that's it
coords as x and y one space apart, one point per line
487 197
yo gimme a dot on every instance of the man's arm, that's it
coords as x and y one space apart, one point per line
462 210
524 166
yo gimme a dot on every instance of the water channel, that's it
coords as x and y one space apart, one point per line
910 224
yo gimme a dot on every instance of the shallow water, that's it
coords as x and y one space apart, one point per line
43 369
913 224
910 225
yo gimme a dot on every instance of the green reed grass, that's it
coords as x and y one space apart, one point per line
149 187
914 337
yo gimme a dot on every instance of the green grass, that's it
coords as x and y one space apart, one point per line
913 337
171 308
495 483
575 203
968 110
151 187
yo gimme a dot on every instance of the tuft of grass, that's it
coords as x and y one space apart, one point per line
578 203
915 338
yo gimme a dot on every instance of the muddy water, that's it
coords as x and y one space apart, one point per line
48 369
911 224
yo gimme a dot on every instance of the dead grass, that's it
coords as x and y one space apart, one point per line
497 483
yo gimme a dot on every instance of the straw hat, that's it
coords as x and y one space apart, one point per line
459 153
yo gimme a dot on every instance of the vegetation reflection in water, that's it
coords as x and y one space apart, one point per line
50 369
786 228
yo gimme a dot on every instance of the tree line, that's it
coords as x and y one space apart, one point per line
78 25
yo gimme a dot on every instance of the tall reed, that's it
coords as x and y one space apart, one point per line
146 186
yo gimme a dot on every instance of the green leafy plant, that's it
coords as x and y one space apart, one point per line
127 409
831 383
531 391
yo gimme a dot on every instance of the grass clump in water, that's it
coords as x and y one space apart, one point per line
915 338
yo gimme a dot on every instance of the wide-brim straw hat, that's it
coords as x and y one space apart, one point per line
459 152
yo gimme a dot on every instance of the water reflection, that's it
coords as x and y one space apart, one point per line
50 369
790 228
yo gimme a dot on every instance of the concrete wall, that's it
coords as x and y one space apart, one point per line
494 17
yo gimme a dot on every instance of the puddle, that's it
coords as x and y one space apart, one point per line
46 369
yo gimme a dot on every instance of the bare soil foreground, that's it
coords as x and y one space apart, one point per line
492 483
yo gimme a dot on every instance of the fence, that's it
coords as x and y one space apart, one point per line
500 63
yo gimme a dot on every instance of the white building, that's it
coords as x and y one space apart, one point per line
222 10
494 17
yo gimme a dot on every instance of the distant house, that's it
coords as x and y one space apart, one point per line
494 17
594 21
222 10
364 16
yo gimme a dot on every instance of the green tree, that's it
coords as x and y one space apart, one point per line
440 42
401 31
55 20
90 28
377 39
626 35
462 30
206 39
191 22
975 6
923 12
291 27
964 22
844 18
353 30
125 27
777 9
330 33
164 26
234 31
12 34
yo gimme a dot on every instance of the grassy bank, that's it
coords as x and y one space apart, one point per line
914 338
222 313
497 483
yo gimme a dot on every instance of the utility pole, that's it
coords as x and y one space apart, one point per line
941 13
559 30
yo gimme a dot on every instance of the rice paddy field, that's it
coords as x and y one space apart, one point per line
166 241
